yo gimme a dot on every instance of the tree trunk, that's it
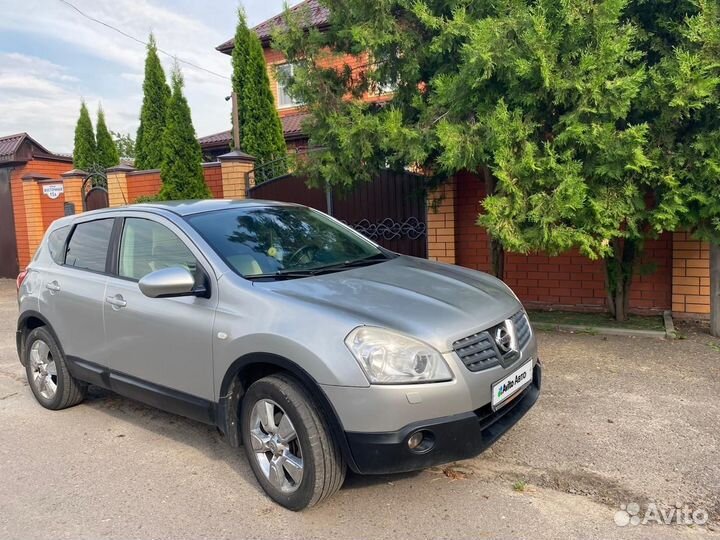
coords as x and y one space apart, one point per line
497 252
619 270
715 289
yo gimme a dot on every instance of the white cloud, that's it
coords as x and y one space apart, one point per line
43 98
38 97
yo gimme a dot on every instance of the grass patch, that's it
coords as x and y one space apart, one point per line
519 485
591 320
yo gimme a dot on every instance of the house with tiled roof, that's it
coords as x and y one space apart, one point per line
291 113
26 169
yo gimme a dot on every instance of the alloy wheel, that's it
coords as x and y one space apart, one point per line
276 446
43 369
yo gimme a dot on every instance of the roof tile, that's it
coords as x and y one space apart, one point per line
292 126
319 15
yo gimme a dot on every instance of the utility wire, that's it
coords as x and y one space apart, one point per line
111 27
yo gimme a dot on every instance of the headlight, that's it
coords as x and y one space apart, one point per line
387 357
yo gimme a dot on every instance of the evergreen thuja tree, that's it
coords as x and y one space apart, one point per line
156 93
106 152
84 149
181 169
261 132
592 118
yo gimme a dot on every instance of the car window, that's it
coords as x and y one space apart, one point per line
147 246
88 245
56 243
260 240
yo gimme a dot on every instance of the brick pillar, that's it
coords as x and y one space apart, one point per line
72 187
236 167
691 277
117 185
441 204
33 211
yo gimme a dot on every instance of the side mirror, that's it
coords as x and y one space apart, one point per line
168 282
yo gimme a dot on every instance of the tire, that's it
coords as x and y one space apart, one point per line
68 391
323 467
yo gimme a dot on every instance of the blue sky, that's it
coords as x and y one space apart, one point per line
51 58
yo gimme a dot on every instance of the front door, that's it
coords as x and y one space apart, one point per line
166 342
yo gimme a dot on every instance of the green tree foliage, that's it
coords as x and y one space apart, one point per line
124 143
261 132
156 93
106 152
84 149
587 115
181 169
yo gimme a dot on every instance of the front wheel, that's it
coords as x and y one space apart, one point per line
289 445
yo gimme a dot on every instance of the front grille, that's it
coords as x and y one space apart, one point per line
479 351
522 328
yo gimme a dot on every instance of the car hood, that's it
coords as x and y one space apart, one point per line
435 302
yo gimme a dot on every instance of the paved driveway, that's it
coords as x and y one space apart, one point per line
621 420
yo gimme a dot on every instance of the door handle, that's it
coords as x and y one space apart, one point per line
116 301
53 286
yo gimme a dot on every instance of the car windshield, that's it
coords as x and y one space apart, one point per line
282 241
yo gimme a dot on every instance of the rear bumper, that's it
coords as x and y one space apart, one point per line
456 437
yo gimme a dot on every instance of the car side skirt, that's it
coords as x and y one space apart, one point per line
155 395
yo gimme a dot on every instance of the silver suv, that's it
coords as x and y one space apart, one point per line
284 328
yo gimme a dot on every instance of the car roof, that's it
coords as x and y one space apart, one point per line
186 208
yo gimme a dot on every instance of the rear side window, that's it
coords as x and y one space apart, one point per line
88 245
56 243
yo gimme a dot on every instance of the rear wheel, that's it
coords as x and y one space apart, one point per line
47 372
291 450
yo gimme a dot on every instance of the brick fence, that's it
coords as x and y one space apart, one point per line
673 272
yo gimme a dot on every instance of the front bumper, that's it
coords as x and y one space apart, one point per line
456 437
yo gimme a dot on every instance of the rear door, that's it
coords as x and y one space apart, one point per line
73 290
163 341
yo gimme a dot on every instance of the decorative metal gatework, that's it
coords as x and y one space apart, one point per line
390 210
389 229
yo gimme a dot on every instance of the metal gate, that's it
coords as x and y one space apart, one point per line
95 193
390 210
8 244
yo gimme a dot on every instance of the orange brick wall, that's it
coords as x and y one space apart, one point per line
441 223
148 183
213 179
143 183
26 212
18 198
690 276
567 281
52 209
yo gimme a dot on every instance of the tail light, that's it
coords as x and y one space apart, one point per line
21 277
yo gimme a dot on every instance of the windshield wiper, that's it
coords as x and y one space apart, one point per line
282 274
295 274
367 261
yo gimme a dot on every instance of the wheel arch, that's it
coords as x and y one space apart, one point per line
29 320
253 366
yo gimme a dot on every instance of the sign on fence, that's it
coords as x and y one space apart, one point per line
53 190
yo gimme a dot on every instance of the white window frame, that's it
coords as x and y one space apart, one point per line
285 101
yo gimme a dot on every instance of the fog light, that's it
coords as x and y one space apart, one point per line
415 440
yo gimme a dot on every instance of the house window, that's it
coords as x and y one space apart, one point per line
284 99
